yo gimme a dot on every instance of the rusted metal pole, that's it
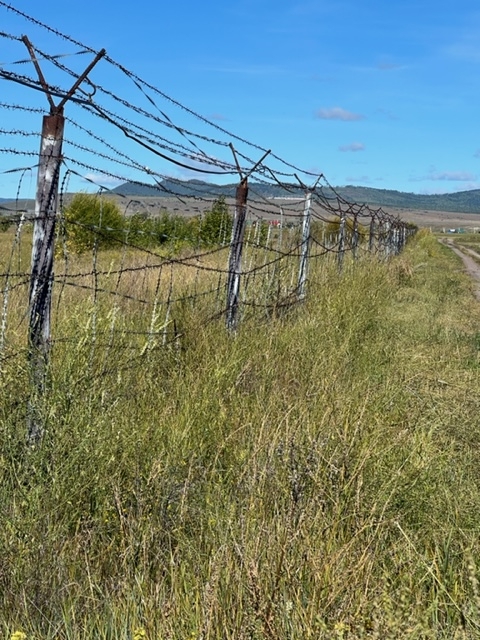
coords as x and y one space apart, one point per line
41 280
302 274
235 259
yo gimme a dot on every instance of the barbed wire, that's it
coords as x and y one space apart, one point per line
139 83
156 271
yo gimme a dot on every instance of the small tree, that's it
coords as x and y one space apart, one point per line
5 223
92 220
216 225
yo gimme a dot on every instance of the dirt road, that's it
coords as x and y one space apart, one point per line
471 261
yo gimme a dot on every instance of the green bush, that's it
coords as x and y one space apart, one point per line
216 225
5 223
91 220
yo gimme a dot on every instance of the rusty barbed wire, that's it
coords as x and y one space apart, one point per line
276 211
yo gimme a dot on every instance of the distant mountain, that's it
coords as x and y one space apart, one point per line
459 202
177 187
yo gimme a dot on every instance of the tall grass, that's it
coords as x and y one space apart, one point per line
315 477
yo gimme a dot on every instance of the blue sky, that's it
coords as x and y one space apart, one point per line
367 92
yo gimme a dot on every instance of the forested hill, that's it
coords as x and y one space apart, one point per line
461 201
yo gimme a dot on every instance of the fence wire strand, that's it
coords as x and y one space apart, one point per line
131 281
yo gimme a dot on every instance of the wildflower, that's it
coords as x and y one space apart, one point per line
139 634
341 629
18 635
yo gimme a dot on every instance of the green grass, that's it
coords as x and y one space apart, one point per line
315 477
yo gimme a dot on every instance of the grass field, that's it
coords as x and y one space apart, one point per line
314 477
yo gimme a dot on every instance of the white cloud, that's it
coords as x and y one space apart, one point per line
388 66
103 180
354 146
468 49
454 176
206 165
446 176
252 69
465 42
358 179
218 116
338 113
387 113
470 186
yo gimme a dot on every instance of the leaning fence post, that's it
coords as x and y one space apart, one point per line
41 278
236 244
235 259
302 274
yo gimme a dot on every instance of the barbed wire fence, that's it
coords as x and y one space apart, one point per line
225 251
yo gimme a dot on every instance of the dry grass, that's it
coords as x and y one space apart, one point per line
315 477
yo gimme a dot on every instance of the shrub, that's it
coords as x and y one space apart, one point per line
216 226
5 223
92 220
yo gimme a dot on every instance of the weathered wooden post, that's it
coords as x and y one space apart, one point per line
396 238
341 240
41 279
43 244
236 244
305 246
388 240
235 259
280 236
355 236
371 236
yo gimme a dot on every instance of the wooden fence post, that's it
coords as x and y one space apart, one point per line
305 246
235 259
236 244
341 240
371 237
355 236
41 279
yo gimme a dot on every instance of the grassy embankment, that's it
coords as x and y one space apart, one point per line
317 477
